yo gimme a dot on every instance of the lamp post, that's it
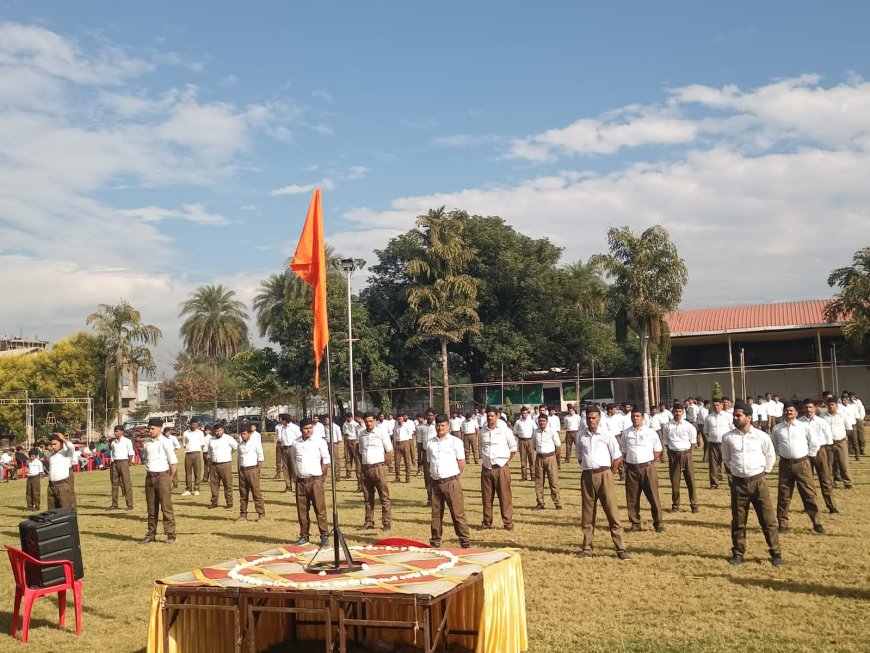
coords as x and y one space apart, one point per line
348 265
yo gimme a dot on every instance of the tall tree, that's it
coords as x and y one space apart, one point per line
125 340
648 279
215 328
443 298
851 304
588 287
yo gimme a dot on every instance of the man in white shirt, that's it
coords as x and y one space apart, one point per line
404 439
470 432
351 449
759 413
840 450
716 424
376 452
221 449
250 462
206 466
861 413
286 435
421 434
176 445
641 450
524 427
821 433
194 443
572 427
480 416
319 430
681 438
795 445
497 447
160 466
60 494
749 454
312 460
427 432
456 424
547 449
446 458
35 472
599 456
119 473
850 415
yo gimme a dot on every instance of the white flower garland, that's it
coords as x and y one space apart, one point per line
451 561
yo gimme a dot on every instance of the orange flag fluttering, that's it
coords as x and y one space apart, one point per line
309 263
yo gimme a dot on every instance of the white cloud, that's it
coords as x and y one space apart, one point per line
228 80
467 140
297 189
357 172
190 212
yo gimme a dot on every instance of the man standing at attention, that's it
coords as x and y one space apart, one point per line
641 448
716 424
193 441
311 458
572 427
376 451
599 456
749 455
681 439
221 450
840 450
470 433
250 462
821 432
446 457
404 438
351 449
286 434
160 466
497 448
547 450
119 472
524 427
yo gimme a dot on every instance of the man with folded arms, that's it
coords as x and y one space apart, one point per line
821 432
641 450
376 452
795 445
599 456
445 454
311 459
681 439
749 455
497 447
193 441
160 466
547 449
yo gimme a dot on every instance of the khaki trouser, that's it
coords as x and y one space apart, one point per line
469 441
526 450
746 491
403 454
279 460
639 479
158 497
796 472
33 491
427 475
288 468
840 462
859 434
448 492
570 436
421 456
72 487
206 469
822 465
714 457
680 463
119 473
192 470
221 473
852 438
60 495
374 477
598 486
352 460
547 464
249 486
309 493
496 482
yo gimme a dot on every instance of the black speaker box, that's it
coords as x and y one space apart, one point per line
51 535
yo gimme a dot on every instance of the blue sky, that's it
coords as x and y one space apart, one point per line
148 148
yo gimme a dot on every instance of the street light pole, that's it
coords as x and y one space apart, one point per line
348 265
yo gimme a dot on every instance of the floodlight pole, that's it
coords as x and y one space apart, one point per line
348 265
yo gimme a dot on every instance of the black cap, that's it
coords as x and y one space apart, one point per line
155 421
34 452
306 421
193 420
441 418
118 427
284 416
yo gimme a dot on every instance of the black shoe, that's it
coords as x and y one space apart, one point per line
387 527
622 555
558 506
170 540
585 553
369 526
302 541
634 528
736 559
210 507
112 508
818 528
776 560
674 509
848 487
784 529
324 541
660 529
695 510
484 527
834 511
148 539
540 506
465 546
509 527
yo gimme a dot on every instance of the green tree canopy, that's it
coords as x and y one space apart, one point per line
851 304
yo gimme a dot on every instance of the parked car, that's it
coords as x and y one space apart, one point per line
233 425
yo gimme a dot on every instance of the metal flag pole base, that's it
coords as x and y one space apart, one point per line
336 566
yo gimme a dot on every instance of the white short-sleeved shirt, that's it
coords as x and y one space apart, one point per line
456 424
159 454
597 449
194 441
748 455
554 422
287 434
715 426
546 441
794 440
59 462
572 422
820 430
336 433
469 426
309 456
837 424
406 431
349 430
444 455
680 436
122 448
421 432
496 445
373 446
250 453
524 428
639 445
221 449
35 467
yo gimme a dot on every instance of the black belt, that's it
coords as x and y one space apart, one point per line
794 461
65 480
444 480
372 466
191 453
747 479
155 473
545 455
597 470
250 467
639 465
495 467
308 478
286 446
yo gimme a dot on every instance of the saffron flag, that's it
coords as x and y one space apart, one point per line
309 263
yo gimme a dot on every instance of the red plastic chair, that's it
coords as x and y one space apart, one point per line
401 541
20 561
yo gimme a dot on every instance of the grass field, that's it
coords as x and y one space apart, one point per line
677 593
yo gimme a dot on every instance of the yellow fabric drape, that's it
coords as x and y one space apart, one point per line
494 608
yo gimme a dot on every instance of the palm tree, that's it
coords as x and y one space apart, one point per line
215 328
125 341
588 285
852 303
443 298
649 277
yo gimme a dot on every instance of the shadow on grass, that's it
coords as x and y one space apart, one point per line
6 622
670 553
110 536
805 588
253 537
702 524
